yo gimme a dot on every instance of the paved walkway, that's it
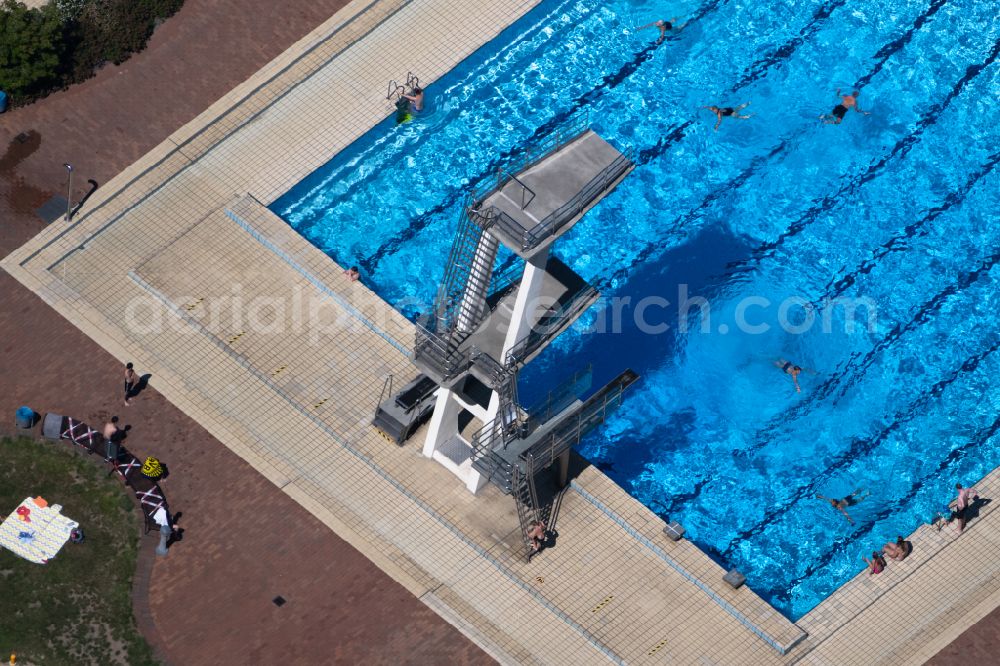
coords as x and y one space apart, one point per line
453 582
211 598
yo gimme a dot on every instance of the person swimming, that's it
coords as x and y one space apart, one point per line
842 504
663 27
836 116
727 112
790 368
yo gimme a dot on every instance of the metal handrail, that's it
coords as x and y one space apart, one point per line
554 220
593 412
557 399
501 172
551 223
488 364
441 352
381 395
535 153
451 292
552 322
394 89
508 276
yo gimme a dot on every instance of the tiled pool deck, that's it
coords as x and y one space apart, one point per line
177 264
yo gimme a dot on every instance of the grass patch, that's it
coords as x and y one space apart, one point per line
77 609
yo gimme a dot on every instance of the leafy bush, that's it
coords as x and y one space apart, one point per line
66 40
70 9
32 44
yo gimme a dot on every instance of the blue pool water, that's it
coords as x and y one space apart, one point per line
897 207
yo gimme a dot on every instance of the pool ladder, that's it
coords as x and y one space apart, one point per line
396 90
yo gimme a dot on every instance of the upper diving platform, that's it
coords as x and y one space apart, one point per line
528 210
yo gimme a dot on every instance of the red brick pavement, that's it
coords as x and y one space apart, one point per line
245 541
977 645
210 598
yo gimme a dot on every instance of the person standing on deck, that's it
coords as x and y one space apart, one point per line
962 504
130 381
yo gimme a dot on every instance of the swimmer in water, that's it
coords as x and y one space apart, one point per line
790 369
663 27
846 102
416 99
842 504
727 111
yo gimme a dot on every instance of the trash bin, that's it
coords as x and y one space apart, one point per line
3 101
24 417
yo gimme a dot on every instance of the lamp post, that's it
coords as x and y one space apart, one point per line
69 191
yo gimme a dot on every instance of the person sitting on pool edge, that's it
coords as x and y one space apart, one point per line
898 550
790 368
727 112
839 111
353 274
663 26
842 504
876 564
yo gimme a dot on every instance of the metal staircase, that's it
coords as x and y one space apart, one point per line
517 474
461 302
526 501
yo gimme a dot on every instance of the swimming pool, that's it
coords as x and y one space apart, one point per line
894 210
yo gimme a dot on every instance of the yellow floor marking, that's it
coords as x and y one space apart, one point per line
604 603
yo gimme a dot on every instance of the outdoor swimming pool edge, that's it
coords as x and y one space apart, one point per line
600 490
25 273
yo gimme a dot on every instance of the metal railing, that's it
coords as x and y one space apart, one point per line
561 396
569 432
493 437
530 238
507 276
398 89
387 384
488 462
451 293
535 153
504 176
548 325
441 353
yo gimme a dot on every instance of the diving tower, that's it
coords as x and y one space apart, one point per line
504 297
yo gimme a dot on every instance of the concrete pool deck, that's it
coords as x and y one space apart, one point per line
180 234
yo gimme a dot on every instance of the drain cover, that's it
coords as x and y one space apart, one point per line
52 210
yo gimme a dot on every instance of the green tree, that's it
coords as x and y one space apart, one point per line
31 48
